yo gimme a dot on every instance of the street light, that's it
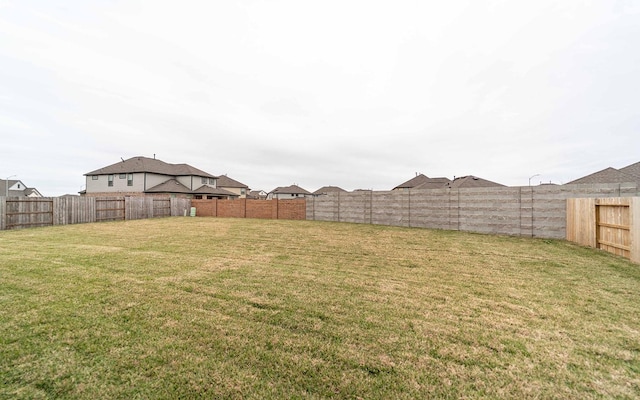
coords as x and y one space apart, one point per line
532 177
6 185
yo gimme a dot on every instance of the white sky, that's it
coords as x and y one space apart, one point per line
358 94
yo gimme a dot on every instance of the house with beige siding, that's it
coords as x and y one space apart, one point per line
288 192
144 176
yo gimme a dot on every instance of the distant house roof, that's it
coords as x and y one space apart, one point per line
434 183
257 194
225 181
633 169
173 186
471 181
218 192
293 189
152 165
328 189
607 175
422 181
413 182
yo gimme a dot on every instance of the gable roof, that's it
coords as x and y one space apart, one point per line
293 189
24 191
633 169
152 165
328 189
607 175
173 186
170 186
471 181
434 183
208 189
413 182
225 181
422 181
257 194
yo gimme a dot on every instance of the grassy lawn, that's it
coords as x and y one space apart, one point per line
232 308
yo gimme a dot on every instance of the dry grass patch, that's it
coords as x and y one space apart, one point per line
233 308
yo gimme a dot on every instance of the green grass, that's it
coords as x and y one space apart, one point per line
240 309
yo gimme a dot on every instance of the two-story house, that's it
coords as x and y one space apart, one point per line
143 176
17 188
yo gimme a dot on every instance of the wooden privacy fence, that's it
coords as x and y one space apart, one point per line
610 224
25 212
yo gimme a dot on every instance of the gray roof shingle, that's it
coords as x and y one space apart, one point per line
152 165
607 175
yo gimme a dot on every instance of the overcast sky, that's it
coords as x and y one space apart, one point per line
357 94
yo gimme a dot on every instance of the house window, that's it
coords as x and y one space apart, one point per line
212 181
94 177
129 179
122 176
110 180
243 191
198 197
204 180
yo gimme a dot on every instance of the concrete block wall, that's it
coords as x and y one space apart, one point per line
534 211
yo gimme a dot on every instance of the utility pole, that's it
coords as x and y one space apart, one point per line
532 177
6 185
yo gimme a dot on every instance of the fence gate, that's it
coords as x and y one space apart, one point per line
610 224
613 227
110 209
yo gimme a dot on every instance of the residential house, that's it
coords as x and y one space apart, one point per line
630 173
143 176
328 189
421 181
16 188
288 192
471 181
257 195
231 185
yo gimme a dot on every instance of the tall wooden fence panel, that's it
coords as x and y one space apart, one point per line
28 212
610 224
180 206
74 210
110 209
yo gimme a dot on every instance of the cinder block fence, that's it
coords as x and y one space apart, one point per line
533 211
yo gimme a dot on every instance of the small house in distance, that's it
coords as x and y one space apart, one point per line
257 195
328 189
231 185
288 193
16 188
